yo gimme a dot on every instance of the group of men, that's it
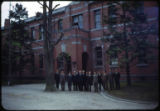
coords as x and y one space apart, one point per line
83 81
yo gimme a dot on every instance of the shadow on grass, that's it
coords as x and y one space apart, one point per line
142 90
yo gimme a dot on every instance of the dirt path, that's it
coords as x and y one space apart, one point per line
21 97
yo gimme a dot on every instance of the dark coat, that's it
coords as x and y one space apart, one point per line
74 79
90 80
69 79
80 79
77 78
57 77
100 79
84 79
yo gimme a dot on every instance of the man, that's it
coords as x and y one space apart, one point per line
87 81
110 77
114 78
99 80
107 82
95 81
62 80
117 79
57 79
90 80
104 80
77 80
69 78
74 80
80 79
84 80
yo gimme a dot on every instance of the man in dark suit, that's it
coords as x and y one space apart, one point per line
87 82
80 79
110 78
117 79
84 81
90 80
77 81
104 80
99 81
57 78
74 80
69 79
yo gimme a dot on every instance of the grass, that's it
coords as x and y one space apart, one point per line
144 91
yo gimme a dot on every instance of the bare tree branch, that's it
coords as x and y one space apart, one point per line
59 39
55 7
42 4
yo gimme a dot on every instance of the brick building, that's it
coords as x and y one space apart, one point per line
82 45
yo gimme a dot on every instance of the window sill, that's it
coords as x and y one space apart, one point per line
38 40
100 66
114 65
141 65
95 29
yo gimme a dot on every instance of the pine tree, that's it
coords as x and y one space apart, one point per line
19 41
131 41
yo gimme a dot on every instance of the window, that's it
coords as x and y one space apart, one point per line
114 59
63 47
33 33
142 56
60 27
78 19
112 11
98 53
140 9
41 32
97 19
41 61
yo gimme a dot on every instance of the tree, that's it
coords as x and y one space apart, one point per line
130 42
17 43
49 45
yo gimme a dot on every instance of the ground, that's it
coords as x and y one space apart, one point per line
140 90
33 97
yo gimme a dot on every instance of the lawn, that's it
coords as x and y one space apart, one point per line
144 91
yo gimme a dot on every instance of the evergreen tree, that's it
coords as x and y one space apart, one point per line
19 42
131 41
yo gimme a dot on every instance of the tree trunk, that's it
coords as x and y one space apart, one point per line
48 48
127 67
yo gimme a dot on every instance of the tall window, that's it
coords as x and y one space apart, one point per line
98 53
112 11
63 48
41 61
140 9
60 27
41 32
114 59
113 55
142 56
33 33
97 19
78 19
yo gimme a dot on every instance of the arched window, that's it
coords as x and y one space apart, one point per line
98 56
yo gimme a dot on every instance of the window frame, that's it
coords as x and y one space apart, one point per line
79 20
60 25
97 18
99 59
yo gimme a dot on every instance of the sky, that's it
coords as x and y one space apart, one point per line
31 7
